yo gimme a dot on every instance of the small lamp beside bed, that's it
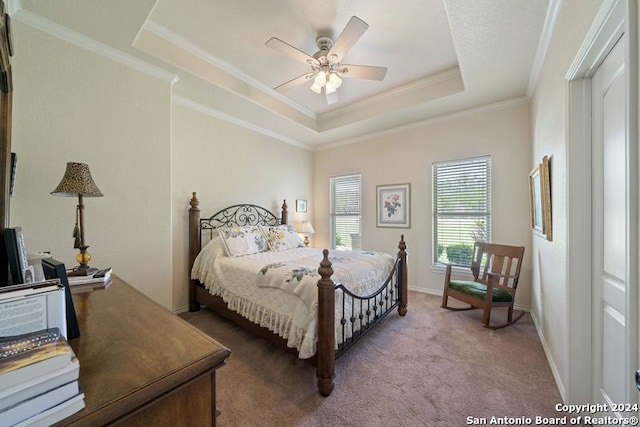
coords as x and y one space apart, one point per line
77 182
306 229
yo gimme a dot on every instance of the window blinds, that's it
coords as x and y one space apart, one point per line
345 206
461 208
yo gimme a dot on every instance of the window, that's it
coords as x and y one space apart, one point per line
461 208
345 204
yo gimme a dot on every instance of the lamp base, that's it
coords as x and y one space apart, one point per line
83 259
82 270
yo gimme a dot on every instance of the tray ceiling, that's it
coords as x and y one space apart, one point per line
443 57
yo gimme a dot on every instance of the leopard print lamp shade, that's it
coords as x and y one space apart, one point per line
76 181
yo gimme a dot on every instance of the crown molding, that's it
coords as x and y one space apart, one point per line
196 106
417 92
219 64
416 86
430 122
431 87
551 17
80 40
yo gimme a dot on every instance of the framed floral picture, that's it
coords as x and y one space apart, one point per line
394 205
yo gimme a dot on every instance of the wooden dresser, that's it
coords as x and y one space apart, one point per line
140 364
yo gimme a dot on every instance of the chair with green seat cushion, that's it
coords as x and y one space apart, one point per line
496 270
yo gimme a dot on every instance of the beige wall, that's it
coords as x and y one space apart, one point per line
226 164
549 112
73 105
407 156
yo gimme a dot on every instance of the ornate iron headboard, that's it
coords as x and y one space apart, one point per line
243 214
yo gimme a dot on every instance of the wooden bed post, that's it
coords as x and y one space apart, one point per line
284 218
404 297
326 327
194 247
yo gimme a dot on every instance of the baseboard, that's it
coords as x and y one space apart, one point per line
180 310
547 353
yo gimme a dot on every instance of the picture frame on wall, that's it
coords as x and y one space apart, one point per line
301 205
17 255
535 200
540 199
393 205
545 173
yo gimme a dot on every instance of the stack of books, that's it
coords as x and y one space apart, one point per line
31 307
38 379
100 278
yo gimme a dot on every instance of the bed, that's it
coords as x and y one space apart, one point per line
249 266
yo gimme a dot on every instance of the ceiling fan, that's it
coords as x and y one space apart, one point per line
326 64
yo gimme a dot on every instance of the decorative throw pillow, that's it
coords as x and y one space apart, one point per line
244 240
281 237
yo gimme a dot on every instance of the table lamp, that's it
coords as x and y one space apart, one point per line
306 229
77 181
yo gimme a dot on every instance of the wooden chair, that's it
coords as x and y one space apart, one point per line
496 269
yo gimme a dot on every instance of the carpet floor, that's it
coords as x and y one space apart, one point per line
432 367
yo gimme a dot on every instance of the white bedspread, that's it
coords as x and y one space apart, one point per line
277 290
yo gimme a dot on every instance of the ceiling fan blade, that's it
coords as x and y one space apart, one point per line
365 72
295 82
290 51
332 97
354 29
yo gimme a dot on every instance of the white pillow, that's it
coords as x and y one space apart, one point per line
215 246
282 237
244 240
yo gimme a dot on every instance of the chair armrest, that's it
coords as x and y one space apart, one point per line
447 275
493 281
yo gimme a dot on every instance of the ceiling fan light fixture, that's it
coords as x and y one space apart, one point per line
320 79
335 81
326 69
329 88
317 89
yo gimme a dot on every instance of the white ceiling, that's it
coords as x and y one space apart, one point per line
443 56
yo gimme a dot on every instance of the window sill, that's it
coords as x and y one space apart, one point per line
457 270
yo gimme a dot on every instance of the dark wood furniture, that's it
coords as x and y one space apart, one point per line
391 294
496 270
6 102
140 364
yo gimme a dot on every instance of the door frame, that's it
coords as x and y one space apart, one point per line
613 19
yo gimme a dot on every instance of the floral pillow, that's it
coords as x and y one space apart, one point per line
245 240
282 237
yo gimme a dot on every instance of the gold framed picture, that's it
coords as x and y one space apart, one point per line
540 199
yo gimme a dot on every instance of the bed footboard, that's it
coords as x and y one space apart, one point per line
358 313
